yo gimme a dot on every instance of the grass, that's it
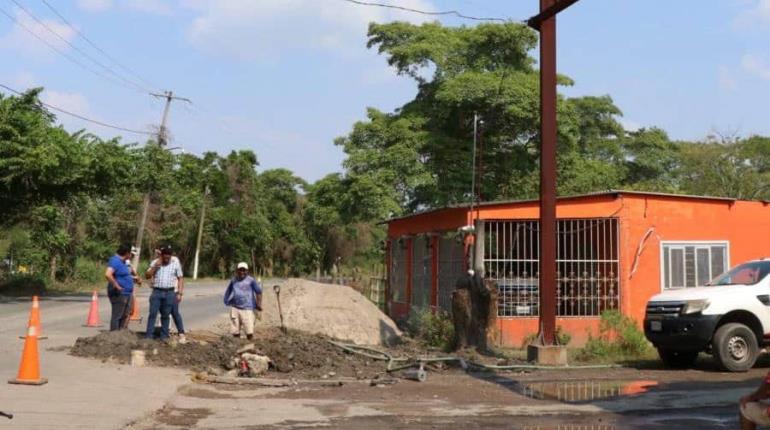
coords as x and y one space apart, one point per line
29 285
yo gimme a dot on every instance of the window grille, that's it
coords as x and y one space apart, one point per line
587 261
421 272
451 260
397 275
692 264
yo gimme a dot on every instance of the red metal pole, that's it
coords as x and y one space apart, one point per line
548 176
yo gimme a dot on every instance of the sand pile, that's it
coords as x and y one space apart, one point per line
336 311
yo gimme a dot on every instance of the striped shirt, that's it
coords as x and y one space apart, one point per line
166 277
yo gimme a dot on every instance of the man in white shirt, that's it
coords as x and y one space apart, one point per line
167 291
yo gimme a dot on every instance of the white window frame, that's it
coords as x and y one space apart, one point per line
683 243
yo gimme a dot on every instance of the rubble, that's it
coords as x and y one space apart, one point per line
293 354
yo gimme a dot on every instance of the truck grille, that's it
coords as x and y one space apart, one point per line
665 309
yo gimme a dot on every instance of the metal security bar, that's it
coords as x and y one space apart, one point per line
588 264
451 259
397 275
421 271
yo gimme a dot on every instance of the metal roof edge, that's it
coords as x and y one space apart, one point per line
571 197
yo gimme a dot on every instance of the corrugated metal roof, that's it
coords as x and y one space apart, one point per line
573 197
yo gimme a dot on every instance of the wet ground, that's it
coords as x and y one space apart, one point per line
614 399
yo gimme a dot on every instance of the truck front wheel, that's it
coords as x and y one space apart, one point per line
735 347
677 359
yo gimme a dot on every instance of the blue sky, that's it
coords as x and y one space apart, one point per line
285 77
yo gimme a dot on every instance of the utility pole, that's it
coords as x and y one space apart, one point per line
545 23
162 141
200 234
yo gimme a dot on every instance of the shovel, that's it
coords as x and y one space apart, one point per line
277 289
3 414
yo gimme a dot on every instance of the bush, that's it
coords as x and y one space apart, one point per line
23 284
619 338
432 328
562 337
88 271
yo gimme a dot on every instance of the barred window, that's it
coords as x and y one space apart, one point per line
587 266
421 271
397 275
692 264
451 256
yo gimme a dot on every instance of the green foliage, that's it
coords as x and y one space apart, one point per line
562 337
619 339
23 284
88 271
68 199
432 328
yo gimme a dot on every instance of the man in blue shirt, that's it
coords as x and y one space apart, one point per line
244 296
120 286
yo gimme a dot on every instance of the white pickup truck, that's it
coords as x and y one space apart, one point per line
729 318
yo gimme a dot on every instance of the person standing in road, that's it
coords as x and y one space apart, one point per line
176 316
244 296
137 283
166 275
120 286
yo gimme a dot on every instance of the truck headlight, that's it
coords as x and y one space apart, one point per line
695 306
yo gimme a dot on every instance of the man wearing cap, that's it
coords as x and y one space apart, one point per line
166 275
244 296
176 316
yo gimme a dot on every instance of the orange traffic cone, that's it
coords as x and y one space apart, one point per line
29 368
34 319
93 313
134 310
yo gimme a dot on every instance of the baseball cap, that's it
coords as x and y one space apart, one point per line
243 265
166 250
134 250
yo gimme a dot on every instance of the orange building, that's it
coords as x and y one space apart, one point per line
615 250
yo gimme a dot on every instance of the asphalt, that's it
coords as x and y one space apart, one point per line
84 393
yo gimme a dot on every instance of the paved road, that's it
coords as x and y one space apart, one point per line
85 393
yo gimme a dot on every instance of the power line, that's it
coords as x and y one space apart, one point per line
59 51
423 12
93 45
81 117
77 49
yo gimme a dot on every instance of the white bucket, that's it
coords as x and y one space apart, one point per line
137 358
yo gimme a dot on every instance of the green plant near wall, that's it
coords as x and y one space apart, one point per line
619 339
432 328
562 337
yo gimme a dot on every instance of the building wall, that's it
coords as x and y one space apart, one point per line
645 221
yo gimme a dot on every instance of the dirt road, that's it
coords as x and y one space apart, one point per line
85 393
576 400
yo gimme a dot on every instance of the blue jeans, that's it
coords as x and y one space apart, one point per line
177 317
160 301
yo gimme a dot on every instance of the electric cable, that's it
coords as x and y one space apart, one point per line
77 49
81 117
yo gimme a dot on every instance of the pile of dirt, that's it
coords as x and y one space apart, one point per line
207 350
294 353
333 310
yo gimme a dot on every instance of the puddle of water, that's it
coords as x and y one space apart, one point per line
583 391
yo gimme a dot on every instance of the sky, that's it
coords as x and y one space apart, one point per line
284 78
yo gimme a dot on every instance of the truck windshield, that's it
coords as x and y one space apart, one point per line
744 274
